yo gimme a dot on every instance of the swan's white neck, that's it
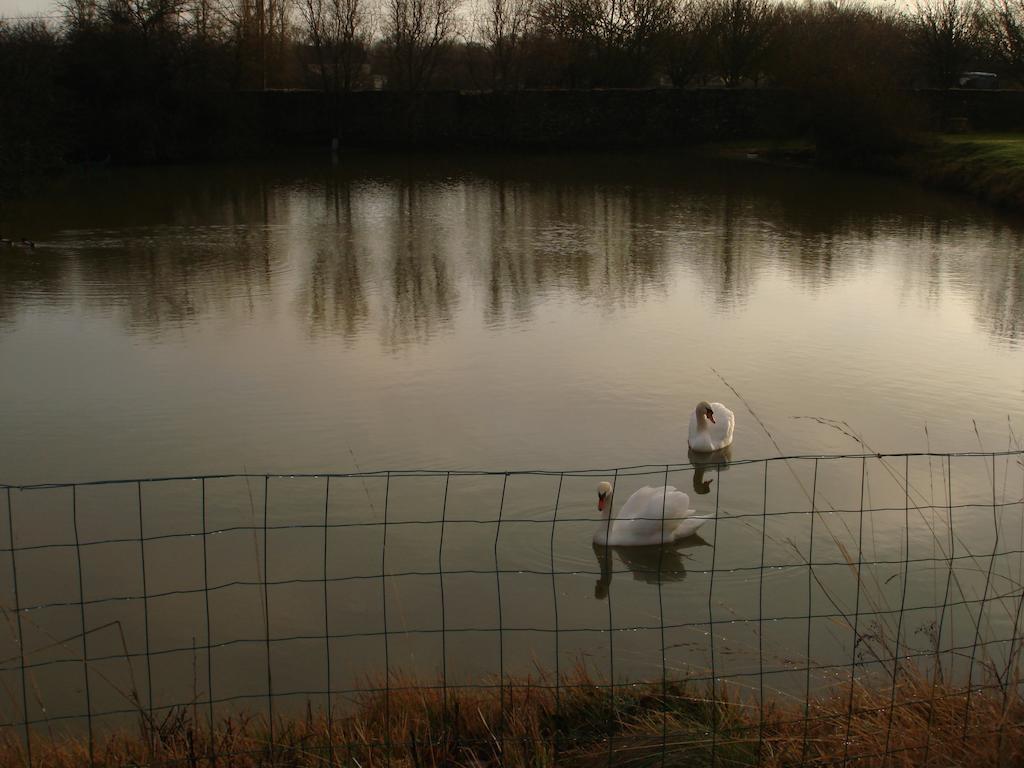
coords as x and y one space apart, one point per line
702 420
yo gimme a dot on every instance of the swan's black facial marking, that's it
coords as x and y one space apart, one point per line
711 416
601 499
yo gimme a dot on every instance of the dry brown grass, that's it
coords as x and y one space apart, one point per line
929 724
581 725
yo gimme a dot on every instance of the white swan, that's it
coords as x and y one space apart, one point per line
649 516
711 426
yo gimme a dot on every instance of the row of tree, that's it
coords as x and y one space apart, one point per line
147 80
413 45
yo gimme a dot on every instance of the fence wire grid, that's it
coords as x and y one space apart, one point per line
271 593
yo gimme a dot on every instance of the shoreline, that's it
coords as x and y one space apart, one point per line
987 167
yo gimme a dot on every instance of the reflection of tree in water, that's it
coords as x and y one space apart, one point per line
333 299
159 249
990 272
166 249
998 287
333 296
31 273
176 279
614 243
598 242
631 244
512 279
423 298
736 253
815 258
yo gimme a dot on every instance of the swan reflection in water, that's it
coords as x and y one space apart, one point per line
705 462
652 564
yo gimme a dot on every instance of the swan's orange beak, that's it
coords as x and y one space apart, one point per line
601 499
711 417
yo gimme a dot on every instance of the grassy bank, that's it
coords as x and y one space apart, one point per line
987 166
929 723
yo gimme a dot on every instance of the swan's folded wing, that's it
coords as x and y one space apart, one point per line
639 520
725 423
642 502
689 526
677 505
659 502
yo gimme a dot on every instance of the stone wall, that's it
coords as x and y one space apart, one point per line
577 119
529 119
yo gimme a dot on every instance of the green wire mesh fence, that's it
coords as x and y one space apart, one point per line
275 594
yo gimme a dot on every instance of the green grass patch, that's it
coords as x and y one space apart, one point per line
1002 147
987 166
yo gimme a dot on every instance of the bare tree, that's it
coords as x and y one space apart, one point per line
143 15
851 63
945 35
340 33
504 26
571 27
418 33
140 15
314 15
633 34
741 33
204 18
1004 34
690 41
260 32
278 14
636 25
608 42
242 19
79 14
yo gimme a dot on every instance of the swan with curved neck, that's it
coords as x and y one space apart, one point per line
649 516
711 427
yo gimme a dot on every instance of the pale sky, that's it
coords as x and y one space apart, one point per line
9 8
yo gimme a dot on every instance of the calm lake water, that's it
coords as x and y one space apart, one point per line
525 312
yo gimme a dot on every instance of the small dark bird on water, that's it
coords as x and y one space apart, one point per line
11 243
